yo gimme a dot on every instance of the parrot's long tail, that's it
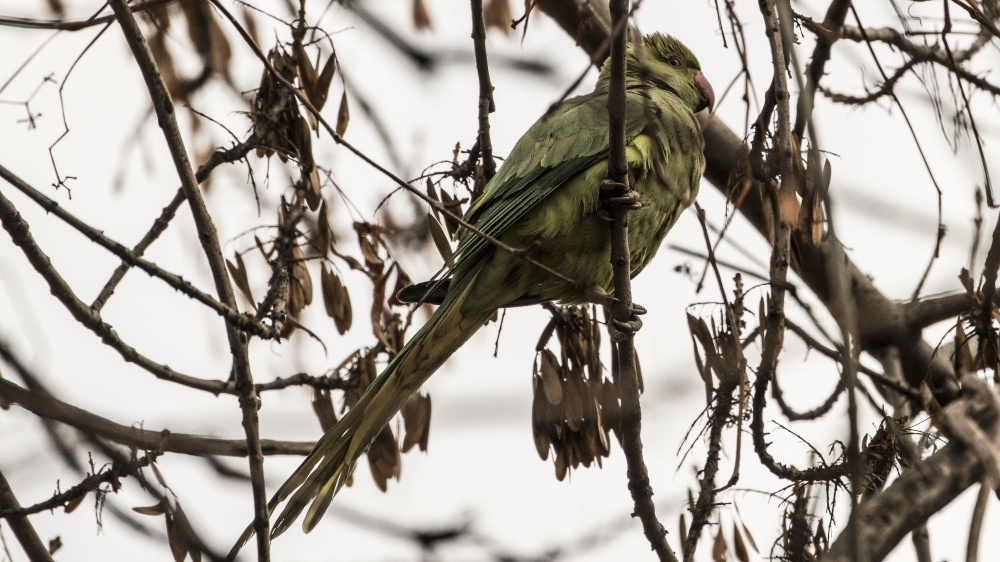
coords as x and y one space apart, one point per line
325 470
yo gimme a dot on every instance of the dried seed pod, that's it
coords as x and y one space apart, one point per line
416 421
551 380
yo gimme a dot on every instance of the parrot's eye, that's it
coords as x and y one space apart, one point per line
675 62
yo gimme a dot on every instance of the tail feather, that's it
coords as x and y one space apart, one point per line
327 468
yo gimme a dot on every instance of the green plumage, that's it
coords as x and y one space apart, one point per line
545 199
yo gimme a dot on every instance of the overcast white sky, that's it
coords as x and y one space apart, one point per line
482 466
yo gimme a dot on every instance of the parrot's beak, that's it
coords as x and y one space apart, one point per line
706 98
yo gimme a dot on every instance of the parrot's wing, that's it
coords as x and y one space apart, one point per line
555 149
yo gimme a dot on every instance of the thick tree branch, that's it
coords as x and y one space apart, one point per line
924 489
22 528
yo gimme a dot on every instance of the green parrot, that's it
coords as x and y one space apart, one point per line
545 199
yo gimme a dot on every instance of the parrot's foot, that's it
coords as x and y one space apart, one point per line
620 329
598 296
623 330
627 198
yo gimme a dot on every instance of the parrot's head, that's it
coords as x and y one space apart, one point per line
664 62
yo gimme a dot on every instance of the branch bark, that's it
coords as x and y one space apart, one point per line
486 105
23 530
924 489
631 414
47 406
209 239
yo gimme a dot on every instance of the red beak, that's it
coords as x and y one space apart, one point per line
706 93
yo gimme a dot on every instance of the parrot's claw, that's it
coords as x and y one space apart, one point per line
611 185
624 330
630 200
624 196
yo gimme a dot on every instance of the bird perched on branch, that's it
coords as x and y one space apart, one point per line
545 201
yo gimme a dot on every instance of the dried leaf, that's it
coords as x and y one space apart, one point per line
746 531
560 464
260 246
496 14
336 300
402 281
416 421
421 17
313 186
439 237
158 475
300 275
322 405
738 546
719 547
383 458
699 333
55 544
59 10
238 273
638 370
306 71
155 509
963 351
322 89
431 192
682 525
370 253
179 534
762 319
343 116
573 404
452 205
250 24
325 235
552 384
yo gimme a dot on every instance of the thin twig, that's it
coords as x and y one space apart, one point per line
976 525
75 25
89 484
48 407
209 239
518 252
218 157
486 104
836 13
631 415
243 322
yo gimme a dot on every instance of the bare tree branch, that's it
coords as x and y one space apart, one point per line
23 530
209 239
